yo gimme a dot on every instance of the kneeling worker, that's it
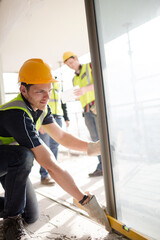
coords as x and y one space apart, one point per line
20 120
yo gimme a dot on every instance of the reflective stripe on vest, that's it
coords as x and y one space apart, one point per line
84 79
18 103
55 100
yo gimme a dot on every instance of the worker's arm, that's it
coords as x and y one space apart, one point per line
46 159
70 141
64 138
65 113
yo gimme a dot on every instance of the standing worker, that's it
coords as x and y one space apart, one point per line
59 111
84 79
20 120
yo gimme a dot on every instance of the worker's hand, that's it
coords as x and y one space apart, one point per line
96 212
67 123
94 148
80 91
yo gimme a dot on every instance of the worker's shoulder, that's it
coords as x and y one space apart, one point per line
12 114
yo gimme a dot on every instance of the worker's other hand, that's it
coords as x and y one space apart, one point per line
94 148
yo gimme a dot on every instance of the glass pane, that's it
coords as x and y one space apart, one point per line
130 52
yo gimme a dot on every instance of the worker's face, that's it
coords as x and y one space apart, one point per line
73 63
38 95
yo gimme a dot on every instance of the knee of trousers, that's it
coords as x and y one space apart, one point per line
32 219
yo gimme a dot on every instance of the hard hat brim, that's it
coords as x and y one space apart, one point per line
38 82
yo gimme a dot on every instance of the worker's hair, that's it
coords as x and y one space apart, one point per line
26 85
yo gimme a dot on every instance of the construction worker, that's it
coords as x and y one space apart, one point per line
59 111
20 120
84 79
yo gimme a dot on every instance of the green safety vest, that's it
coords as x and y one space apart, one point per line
84 79
55 100
18 103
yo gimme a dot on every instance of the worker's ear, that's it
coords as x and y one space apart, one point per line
23 89
76 58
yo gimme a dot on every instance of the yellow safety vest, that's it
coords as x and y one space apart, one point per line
84 79
18 103
55 100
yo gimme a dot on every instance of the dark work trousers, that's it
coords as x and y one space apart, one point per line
19 198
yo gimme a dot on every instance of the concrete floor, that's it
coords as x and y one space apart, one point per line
59 218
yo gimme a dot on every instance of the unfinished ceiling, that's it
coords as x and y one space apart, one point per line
41 29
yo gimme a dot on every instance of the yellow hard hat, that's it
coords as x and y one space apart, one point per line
35 71
67 55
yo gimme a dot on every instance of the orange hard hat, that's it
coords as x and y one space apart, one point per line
67 55
35 71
